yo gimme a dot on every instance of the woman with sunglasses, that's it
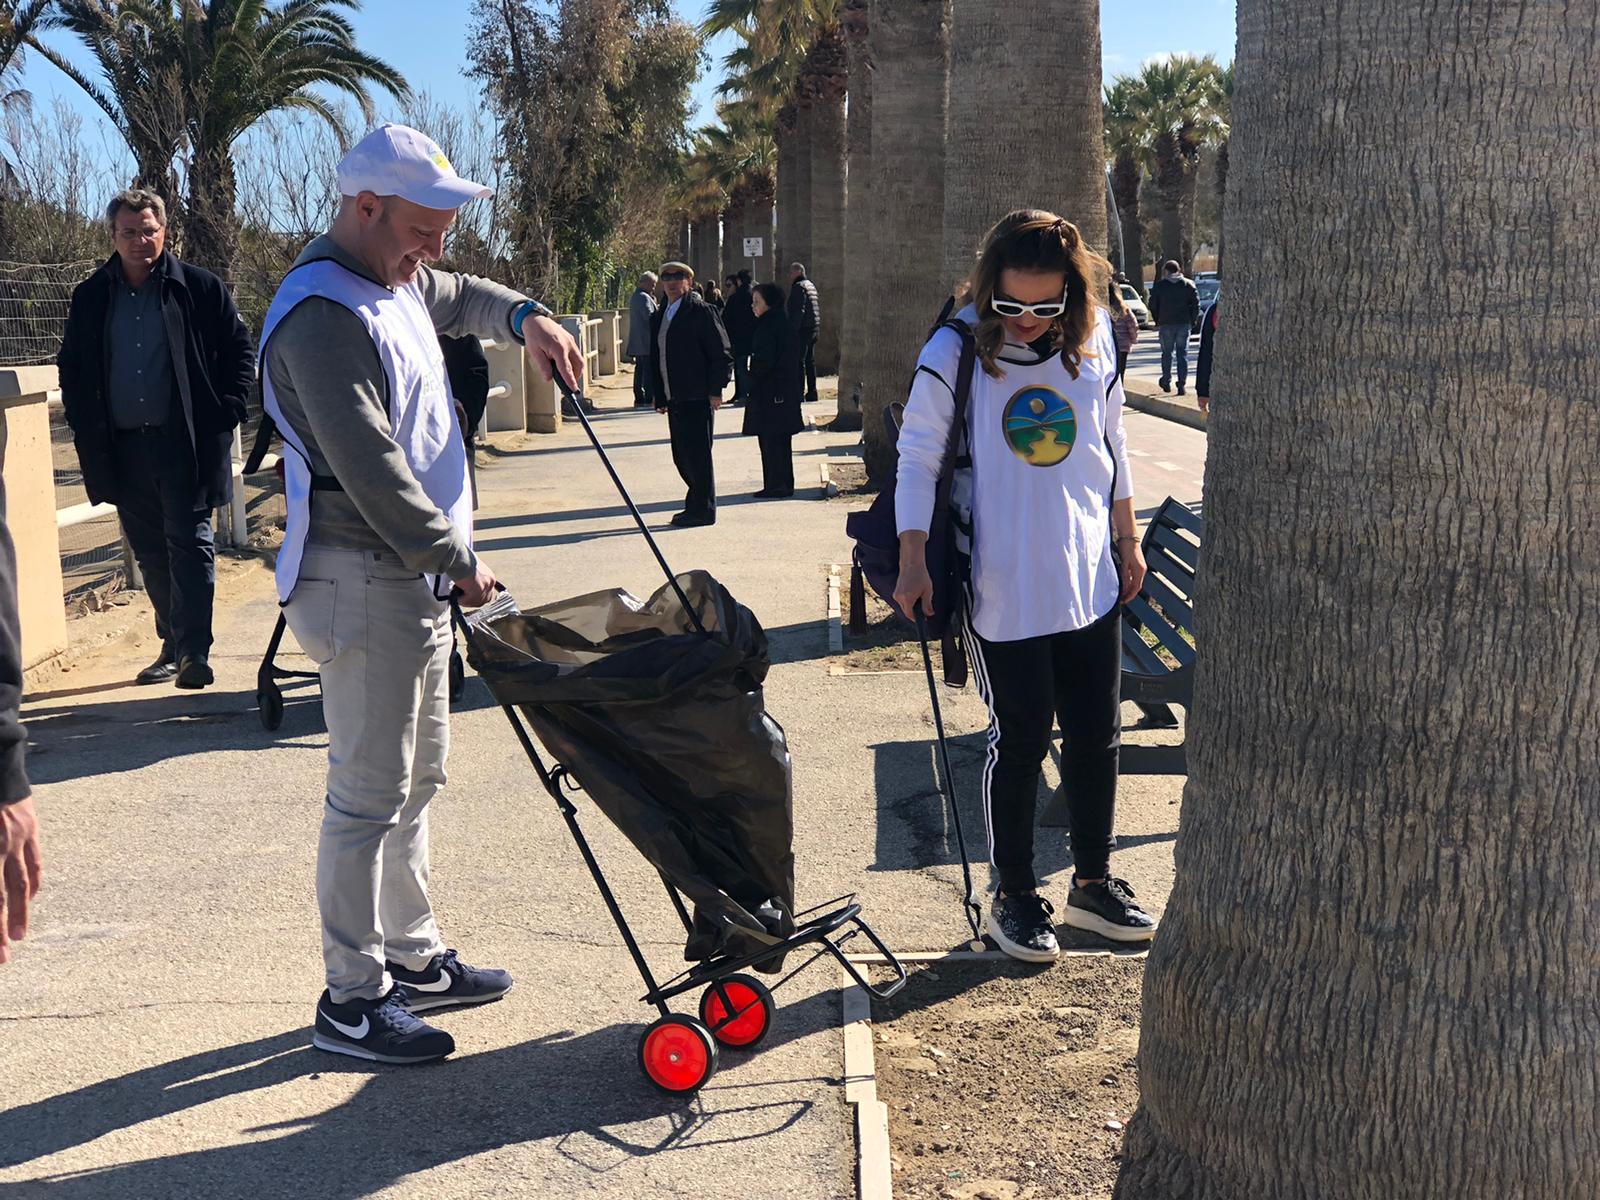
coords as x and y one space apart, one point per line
1047 506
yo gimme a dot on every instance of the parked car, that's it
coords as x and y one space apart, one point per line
1209 287
1130 297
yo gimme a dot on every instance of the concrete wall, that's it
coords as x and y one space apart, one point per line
31 508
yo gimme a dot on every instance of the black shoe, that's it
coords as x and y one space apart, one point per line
194 672
378 1030
1020 925
1165 386
687 520
446 982
1181 392
1109 909
160 671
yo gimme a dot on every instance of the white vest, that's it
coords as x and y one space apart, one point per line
422 415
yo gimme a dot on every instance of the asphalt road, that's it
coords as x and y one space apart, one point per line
1144 360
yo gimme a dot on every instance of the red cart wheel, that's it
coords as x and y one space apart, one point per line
678 1054
751 1017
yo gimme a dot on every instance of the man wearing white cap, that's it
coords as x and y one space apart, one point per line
379 529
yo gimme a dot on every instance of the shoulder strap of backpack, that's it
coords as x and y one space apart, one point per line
258 452
958 424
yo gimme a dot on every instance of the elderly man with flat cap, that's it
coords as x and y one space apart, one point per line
379 531
690 364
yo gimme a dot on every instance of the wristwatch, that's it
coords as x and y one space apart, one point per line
522 312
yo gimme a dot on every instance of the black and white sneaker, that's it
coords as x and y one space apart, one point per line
447 982
1020 925
1109 909
378 1030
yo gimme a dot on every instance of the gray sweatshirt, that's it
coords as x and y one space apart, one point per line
330 385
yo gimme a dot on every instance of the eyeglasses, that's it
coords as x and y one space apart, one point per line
1047 311
673 275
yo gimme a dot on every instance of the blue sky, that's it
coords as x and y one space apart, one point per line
430 50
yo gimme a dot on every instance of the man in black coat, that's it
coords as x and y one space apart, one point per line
739 319
805 318
1174 307
690 361
156 368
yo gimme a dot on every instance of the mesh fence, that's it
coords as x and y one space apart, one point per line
33 308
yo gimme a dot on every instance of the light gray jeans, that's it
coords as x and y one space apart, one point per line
382 644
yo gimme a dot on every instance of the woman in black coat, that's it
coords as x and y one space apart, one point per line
773 414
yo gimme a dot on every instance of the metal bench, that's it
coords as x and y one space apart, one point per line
1156 676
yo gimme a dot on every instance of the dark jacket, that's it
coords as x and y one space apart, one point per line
467 367
698 355
805 309
775 379
13 738
1174 301
1208 339
213 365
739 319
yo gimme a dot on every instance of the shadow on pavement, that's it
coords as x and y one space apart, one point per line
404 1119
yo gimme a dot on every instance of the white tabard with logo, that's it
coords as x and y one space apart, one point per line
422 413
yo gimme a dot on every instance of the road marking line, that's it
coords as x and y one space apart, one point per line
1138 453
1166 466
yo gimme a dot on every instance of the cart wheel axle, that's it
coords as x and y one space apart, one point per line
738 1010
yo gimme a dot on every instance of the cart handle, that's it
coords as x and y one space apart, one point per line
575 397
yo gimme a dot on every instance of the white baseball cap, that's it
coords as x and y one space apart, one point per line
396 160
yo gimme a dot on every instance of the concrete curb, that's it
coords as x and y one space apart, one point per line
1159 406
835 612
874 1176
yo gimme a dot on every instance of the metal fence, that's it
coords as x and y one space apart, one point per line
33 308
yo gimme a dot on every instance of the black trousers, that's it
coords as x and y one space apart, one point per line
641 381
811 370
171 538
777 462
690 427
741 373
1075 678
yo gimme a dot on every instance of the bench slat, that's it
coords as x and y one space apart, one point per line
1142 656
1178 514
1162 563
1163 629
1175 544
1178 610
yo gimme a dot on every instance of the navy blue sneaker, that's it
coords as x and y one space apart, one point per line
447 982
379 1030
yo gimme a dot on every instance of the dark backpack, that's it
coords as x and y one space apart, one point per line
876 557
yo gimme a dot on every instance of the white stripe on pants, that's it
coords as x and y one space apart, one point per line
382 644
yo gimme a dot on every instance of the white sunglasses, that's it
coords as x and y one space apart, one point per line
1047 311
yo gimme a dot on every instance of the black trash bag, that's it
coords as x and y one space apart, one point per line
665 730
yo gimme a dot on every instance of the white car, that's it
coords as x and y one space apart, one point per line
1130 297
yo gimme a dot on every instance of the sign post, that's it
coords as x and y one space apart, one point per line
752 251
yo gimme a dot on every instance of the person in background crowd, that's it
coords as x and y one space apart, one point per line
773 415
21 865
156 368
1174 307
466 366
805 318
353 379
712 295
641 308
1208 342
1049 498
1124 324
690 362
739 319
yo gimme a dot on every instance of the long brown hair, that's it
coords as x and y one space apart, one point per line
1031 239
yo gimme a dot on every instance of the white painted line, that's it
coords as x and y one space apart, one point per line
1166 466
835 621
1200 483
874 1180
1138 453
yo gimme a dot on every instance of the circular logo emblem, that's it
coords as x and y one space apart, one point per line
1040 426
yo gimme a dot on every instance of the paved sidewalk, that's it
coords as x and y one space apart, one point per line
154 1032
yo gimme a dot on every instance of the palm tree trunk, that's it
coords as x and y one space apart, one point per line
213 230
1125 190
829 76
1377 974
993 161
1169 193
758 223
733 233
788 140
798 247
854 19
1222 201
910 55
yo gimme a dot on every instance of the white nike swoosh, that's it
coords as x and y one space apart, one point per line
441 984
357 1031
